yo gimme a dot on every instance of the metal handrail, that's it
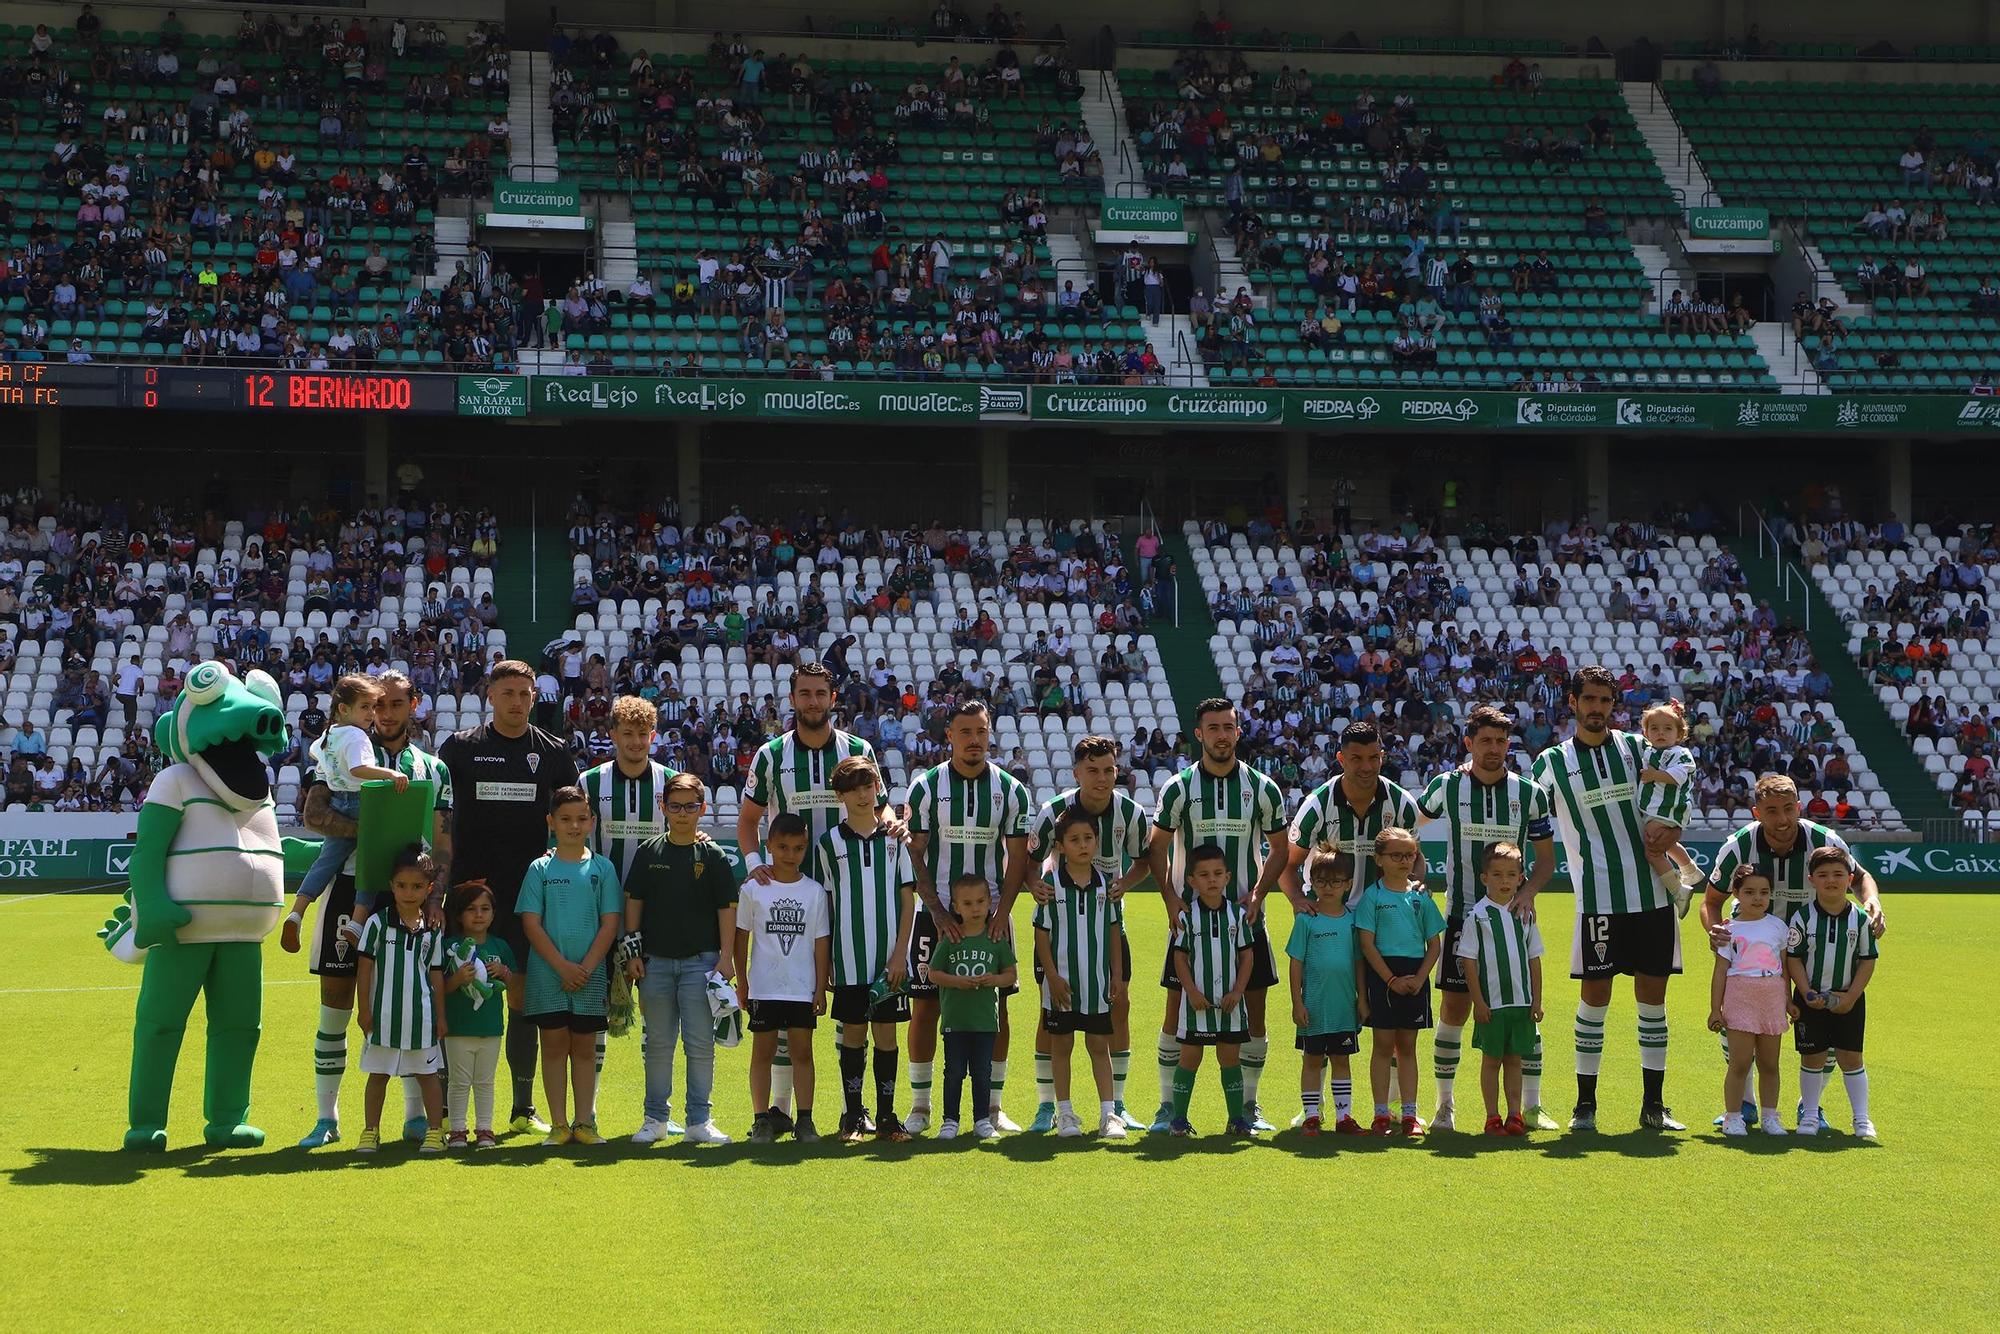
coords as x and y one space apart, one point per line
1784 571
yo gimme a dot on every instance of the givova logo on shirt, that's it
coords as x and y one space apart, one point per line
785 923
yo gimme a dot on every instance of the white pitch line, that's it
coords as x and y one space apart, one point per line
58 991
75 889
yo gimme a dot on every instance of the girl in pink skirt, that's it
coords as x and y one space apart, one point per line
1748 1000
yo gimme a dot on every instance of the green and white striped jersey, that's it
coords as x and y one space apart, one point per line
1668 801
1790 887
1477 815
1212 939
1238 811
788 778
1084 923
401 1006
1831 945
1122 833
1326 822
628 809
865 876
418 765
1594 795
969 821
1499 945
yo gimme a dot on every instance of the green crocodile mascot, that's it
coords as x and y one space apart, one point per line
208 884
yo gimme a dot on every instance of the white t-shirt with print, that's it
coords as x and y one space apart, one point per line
337 754
785 922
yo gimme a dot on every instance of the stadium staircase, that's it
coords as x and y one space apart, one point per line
1672 152
1103 110
534 155
453 236
532 582
1184 650
1913 791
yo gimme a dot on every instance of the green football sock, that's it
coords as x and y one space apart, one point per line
1183 1092
1232 1090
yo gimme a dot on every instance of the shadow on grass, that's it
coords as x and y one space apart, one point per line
115 1167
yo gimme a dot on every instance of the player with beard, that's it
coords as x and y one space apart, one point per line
1219 799
502 775
1624 922
1123 831
1480 804
331 956
792 774
967 817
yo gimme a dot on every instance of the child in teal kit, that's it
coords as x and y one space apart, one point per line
1327 1001
1399 929
569 908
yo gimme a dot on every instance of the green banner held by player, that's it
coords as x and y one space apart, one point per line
390 822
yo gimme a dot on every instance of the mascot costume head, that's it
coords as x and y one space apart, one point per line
208 884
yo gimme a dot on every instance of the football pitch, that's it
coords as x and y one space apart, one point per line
1614 1230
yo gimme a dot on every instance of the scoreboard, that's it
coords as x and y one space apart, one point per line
36 384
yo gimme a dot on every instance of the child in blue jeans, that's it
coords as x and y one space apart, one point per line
344 758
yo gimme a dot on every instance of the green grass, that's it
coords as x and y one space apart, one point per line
1610 1230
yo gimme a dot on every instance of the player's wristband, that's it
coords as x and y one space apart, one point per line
294 918
753 861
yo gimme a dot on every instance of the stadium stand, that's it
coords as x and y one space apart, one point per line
835 217
1892 183
103 609
1045 622
1915 603
1408 630
1412 230
268 200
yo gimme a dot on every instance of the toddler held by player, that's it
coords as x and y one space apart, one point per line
344 759
1666 785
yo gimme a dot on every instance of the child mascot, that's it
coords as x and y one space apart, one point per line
208 884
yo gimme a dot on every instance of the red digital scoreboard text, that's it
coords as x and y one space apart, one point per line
303 391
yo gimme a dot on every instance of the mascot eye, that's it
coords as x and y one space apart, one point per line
205 683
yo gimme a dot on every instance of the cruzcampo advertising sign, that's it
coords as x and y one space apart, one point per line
551 197
1729 224
1147 221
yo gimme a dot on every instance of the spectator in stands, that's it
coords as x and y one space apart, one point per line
1915 166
